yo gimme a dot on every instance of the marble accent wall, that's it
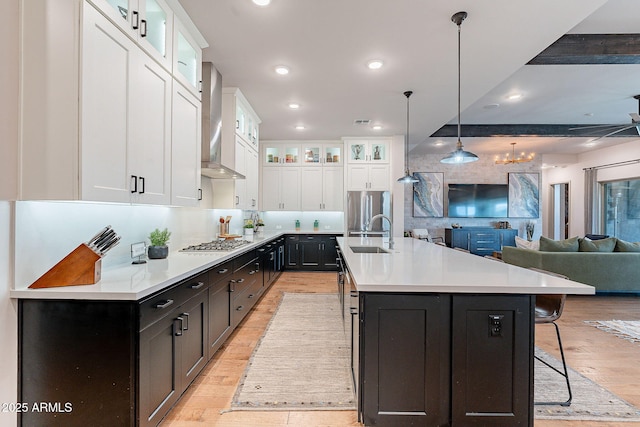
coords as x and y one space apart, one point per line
484 171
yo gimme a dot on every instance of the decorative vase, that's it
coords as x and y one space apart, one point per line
158 252
248 231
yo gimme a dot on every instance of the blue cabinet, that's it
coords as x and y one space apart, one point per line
480 240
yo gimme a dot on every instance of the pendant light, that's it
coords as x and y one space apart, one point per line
459 155
407 178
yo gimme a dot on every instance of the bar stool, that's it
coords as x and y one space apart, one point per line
548 310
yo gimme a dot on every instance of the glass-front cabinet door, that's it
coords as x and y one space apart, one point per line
156 29
279 154
123 13
187 59
368 151
321 153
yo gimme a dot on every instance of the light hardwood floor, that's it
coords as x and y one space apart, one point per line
606 359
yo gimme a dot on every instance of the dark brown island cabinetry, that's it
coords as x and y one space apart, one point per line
445 359
311 252
126 363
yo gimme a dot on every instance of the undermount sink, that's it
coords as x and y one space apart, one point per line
368 250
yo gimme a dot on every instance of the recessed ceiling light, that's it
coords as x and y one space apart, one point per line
514 96
438 143
282 70
262 2
300 127
377 127
375 64
294 105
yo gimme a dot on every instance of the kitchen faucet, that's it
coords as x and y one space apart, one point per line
373 218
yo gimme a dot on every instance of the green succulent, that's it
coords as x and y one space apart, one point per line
159 238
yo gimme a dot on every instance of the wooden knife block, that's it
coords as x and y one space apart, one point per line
81 267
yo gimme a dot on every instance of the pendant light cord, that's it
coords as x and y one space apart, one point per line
459 72
406 145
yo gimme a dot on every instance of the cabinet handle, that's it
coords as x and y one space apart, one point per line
199 193
197 285
240 280
237 124
143 31
200 86
141 185
250 296
134 184
134 20
177 330
165 304
185 322
237 200
240 308
232 287
224 270
252 272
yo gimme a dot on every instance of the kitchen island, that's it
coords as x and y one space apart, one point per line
441 337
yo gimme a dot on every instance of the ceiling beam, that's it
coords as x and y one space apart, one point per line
591 49
486 131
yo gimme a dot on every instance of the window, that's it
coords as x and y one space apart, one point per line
622 209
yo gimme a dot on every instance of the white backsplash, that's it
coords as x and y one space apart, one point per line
328 221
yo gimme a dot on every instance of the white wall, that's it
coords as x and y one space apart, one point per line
574 175
9 12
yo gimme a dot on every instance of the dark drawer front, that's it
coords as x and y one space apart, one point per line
221 272
244 301
158 306
240 262
245 277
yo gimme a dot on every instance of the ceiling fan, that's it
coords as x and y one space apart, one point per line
611 130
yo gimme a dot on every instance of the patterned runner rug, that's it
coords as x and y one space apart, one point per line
302 362
626 329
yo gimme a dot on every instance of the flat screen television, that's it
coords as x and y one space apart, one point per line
478 200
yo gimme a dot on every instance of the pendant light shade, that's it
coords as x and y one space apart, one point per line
459 155
407 178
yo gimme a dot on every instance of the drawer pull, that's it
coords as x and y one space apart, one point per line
177 330
239 280
224 270
250 296
240 308
252 272
197 285
185 321
165 304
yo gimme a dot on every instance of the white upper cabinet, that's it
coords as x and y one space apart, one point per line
185 148
187 59
149 22
238 118
306 153
281 154
126 117
368 151
104 108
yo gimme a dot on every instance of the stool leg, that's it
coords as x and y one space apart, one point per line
565 374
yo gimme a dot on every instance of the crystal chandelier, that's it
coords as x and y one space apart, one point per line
512 158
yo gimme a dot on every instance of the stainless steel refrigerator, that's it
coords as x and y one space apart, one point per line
361 206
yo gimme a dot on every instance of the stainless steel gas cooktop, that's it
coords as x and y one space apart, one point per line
215 245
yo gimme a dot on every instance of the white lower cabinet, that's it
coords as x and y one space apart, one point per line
280 189
368 177
322 189
185 147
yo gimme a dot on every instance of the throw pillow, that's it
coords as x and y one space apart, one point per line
567 245
600 245
525 244
624 246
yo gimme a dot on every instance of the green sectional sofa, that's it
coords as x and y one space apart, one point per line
609 272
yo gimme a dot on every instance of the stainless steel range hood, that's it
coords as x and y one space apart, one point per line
212 126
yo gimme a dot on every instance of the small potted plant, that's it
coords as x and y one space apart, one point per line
158 248
248 227
259 226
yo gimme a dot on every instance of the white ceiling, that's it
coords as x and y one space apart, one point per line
327 43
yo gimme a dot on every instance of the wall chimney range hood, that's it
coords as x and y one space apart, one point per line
212 166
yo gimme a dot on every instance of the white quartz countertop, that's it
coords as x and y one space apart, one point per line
419 266
134 282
